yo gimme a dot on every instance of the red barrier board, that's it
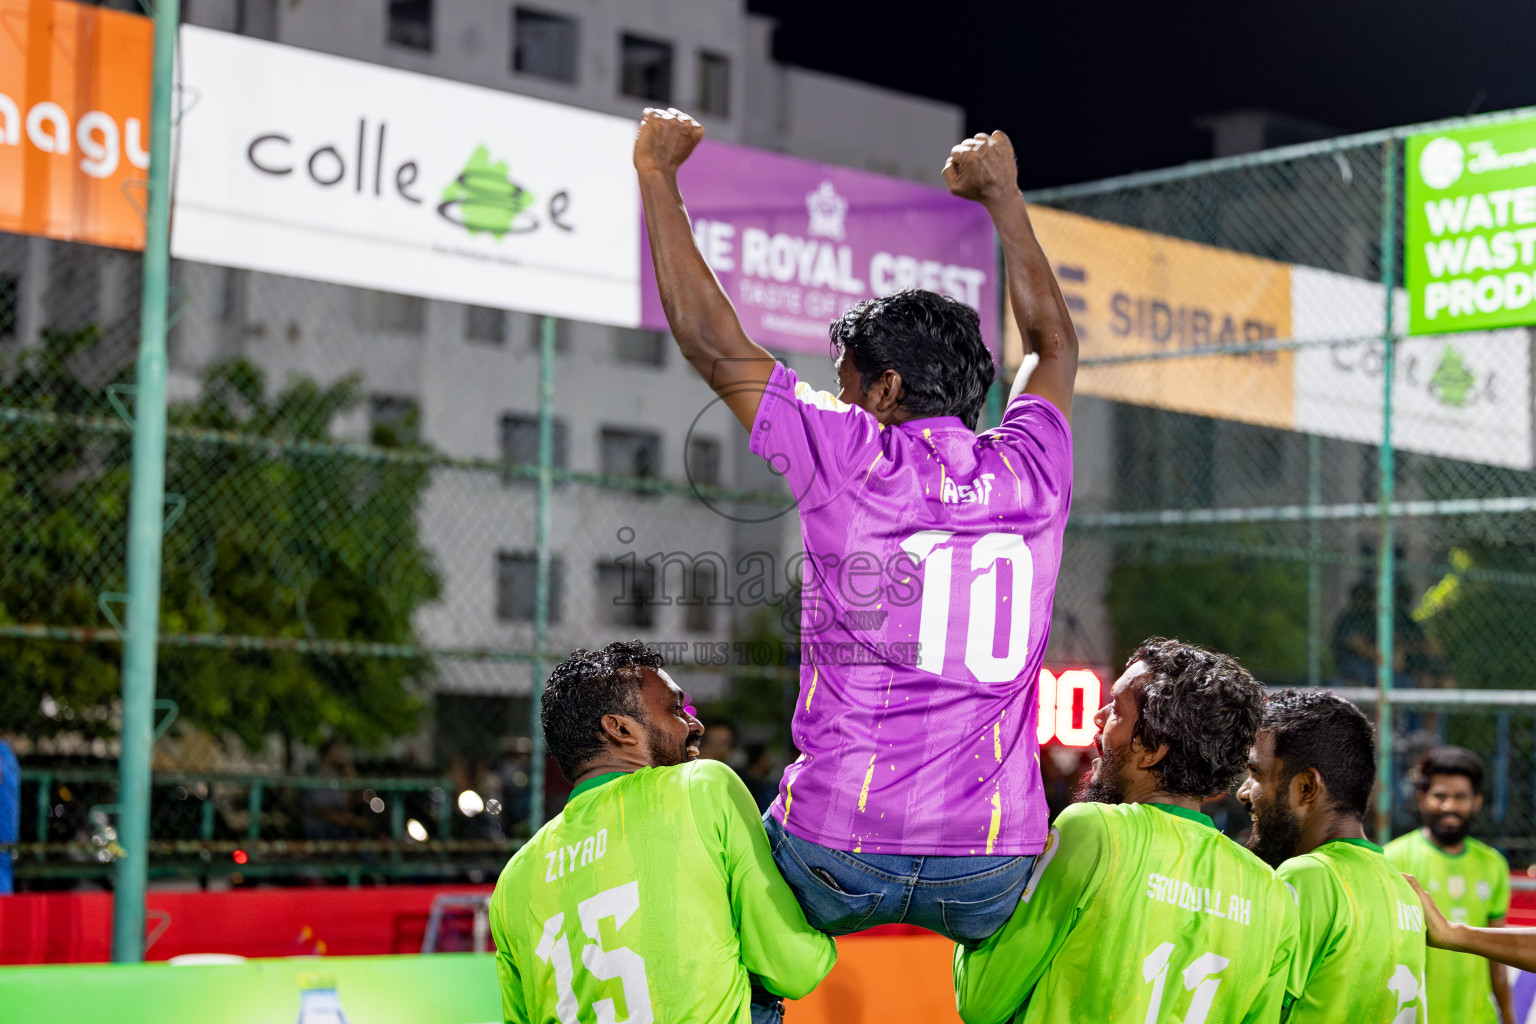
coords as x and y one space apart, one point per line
76 927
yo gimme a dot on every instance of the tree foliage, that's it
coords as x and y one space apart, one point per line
1251 608
284 535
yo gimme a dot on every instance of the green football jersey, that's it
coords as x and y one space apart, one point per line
650 898
1360 947
1139 913
1469 888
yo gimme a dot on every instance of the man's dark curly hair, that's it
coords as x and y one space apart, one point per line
1318 729
933 341
1204 706
1449 761
585 687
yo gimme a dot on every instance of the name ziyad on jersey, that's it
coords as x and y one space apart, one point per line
1470 888
1136 913
1360 945
931 556
651 898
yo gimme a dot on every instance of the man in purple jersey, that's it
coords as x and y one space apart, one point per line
931 560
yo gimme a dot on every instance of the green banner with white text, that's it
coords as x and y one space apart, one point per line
1470 231
447 988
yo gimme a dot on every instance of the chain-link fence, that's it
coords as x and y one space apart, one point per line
352 618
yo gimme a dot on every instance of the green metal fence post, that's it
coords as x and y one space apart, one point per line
1314 567
541 578
1386 464
145 516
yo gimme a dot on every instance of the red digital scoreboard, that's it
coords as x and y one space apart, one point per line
1067 704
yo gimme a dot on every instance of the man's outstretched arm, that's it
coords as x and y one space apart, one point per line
701 316
983 169
1513 946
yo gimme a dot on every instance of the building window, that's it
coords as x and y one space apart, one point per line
544 45
714 84
410 23
704 461
631 453
388 312
626 594
517 575
10 296
562 334
645 69
700 617
395 421
520 441
482 323
643 348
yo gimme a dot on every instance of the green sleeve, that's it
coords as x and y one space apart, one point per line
1316 899
777 945
1498 899
993 980
513 1009
1274 1002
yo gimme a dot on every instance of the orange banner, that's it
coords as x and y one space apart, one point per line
74 117
1137 293
880 979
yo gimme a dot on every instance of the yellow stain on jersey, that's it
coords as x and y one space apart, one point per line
789 800
872 465
997 819
869 774
1018 485
815 674
997 740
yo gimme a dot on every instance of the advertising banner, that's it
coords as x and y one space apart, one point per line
1136 293
1462 396
1470 228
295 162
74 116
446 988
797 243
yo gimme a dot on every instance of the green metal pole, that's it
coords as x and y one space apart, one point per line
541 578
1387 472
146 513
1314 567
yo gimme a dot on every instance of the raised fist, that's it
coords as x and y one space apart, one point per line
982 168
665 139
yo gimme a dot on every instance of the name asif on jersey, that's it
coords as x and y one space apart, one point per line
951 493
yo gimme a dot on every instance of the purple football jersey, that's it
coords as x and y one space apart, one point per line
931 556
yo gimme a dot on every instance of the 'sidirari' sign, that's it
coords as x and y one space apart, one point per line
1470 237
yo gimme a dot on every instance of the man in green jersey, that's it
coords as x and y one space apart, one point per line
1360 945
1139 910
653 897
1468 879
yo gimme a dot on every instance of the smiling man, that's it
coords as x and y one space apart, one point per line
1468 879
1360 946
1139 909
653 896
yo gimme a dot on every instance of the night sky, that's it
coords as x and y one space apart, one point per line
1091 89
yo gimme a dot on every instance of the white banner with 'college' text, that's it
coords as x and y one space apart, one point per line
295 162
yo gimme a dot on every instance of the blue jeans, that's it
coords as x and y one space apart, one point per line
964 899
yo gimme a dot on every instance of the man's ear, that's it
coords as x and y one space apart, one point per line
620 730
1307 789
889 393
1146 759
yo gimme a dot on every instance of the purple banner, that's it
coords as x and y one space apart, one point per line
797 243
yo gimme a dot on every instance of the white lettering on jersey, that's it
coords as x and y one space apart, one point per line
578 855
1410 917
1197 899
951 493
